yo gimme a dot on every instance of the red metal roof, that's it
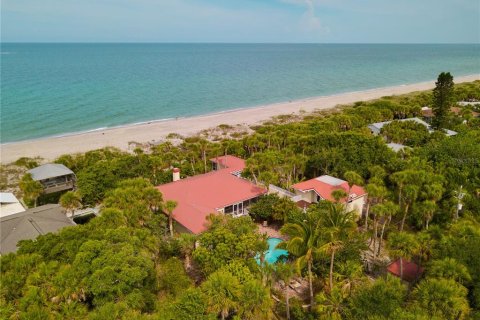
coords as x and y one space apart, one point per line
411 270
198 196
231 162
324 189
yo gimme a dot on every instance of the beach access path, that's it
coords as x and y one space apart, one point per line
52 147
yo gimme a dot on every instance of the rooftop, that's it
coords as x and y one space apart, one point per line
325 185
9 204
376 127
8 197
49 170
411 270
396 146
201 195
229 162
379 125
30 224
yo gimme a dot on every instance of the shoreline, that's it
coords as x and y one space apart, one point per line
148 131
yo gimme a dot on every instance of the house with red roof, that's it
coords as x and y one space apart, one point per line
221 191
321 188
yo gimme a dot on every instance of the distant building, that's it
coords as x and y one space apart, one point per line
376 128
427 113
221 191
54 177
9 204
30 224
473 102
321 188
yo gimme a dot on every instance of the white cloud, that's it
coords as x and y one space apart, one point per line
310 21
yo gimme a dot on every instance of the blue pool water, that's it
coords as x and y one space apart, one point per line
273 254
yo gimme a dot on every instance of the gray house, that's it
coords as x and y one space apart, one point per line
376 128
30 224
54 177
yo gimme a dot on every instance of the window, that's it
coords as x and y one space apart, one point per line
238 208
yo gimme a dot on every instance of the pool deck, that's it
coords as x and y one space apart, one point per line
271 231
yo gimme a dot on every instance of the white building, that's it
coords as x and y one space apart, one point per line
9 204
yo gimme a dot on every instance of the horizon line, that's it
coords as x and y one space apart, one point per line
221 42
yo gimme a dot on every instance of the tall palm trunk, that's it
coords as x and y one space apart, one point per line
332 258
287 303
381 235
170 223
204 155
310 282
404 217
401 268
372 239
366 215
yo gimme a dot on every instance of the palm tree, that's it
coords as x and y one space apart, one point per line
449 268
154 199
70 201
390 210
339 194
402 245
330 305
442 298
170 205
203 145
304 242
380 211
400 179
285 272
433 193
428 208
31 189
337 225
187 246
410 194
222 290
375 194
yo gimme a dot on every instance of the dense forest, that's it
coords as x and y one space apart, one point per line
423 206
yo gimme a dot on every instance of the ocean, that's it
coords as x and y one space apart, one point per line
57 89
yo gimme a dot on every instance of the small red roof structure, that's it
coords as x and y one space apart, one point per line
411 271
232 163
325 185
201 195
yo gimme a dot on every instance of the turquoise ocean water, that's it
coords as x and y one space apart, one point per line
56 89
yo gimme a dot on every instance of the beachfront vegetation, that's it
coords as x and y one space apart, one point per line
423 206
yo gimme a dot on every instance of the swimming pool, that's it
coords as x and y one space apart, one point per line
273 254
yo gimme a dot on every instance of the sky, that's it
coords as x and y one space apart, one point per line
286 21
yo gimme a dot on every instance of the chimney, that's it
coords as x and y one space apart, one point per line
176 174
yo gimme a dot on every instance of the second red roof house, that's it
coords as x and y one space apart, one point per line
321 188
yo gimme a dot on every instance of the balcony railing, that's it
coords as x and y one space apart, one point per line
55 186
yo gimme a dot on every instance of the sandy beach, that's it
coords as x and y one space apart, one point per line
50 148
